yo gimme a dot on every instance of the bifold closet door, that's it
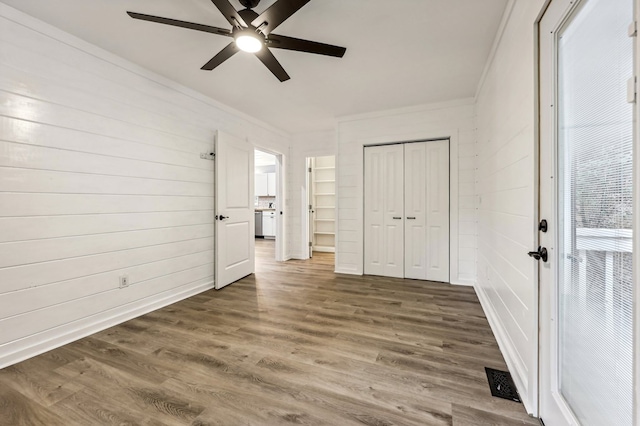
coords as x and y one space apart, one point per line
384 215
426 209
406 204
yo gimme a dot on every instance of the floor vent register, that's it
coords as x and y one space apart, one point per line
501 384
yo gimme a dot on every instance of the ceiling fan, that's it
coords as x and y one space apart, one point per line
253 33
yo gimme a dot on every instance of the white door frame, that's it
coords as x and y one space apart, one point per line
281 242
558 11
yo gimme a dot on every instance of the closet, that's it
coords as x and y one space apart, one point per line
322 203
406 210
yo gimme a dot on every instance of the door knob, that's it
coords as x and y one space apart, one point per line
540 254
222 217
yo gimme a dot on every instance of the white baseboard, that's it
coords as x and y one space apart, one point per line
463 282
322 249
517 370
59 336
347 271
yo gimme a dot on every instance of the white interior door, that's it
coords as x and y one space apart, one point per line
235 257
586 287
427 210
384 211
437 210
415 208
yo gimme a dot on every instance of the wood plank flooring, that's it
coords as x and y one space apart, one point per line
293 344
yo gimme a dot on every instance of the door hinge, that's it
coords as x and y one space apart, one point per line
310 244
309 169
632 91
633 29
310 207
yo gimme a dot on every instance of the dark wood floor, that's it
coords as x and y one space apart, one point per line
294 344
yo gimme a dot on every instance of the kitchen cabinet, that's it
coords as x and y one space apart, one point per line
269 224
265 184
261 185
271 184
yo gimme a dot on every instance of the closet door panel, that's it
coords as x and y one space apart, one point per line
415 259
374 255
384 205
437 211
394 211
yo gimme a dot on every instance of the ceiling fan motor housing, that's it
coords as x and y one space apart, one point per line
249 4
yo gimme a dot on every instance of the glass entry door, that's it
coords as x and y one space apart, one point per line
586 196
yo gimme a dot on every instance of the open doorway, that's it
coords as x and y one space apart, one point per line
321 194
267 202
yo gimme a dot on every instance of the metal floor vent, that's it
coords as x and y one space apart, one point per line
501 384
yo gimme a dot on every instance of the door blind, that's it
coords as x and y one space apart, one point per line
595 138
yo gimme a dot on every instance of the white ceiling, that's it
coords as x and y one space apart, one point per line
264 159
400 53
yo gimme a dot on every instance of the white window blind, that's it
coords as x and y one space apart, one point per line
595 125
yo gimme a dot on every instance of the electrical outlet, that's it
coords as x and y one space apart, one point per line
124 281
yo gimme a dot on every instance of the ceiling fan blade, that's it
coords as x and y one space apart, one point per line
229 12
222 56
277 14
183 24
290 43
272 63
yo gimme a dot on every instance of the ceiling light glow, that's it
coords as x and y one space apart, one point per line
248 43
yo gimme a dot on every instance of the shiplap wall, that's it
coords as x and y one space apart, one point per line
317 144
507 281
454 120
100 176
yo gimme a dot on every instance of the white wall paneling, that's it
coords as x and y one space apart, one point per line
506 186
100 176
454 121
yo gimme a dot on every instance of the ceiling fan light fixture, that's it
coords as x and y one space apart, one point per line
248 41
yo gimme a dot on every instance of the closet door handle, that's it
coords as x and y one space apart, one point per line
397 217
411 217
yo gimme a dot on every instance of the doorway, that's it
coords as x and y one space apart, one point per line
586 199
321 200
267 205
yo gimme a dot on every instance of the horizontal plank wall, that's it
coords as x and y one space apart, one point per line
507 280
316 144
454 120
100 176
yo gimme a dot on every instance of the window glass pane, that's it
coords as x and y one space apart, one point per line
595 134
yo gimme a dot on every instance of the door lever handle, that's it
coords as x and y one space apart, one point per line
397 217
541 253
411 217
